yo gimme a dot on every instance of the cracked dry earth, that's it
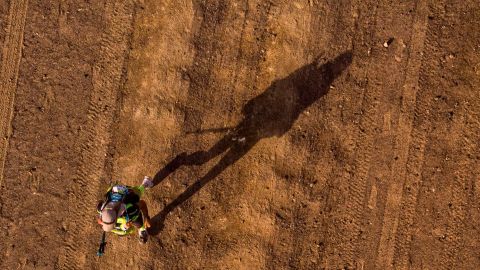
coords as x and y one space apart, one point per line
306 134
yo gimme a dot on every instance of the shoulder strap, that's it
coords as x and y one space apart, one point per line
114 193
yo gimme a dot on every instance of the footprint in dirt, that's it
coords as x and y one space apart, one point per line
272 113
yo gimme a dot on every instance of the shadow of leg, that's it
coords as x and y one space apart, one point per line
196 158
234 154
169 168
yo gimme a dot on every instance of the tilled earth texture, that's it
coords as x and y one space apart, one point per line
280 134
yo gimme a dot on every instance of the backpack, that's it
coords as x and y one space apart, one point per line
118 193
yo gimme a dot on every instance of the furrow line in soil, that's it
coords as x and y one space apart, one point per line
211 17
207 46
107 76
403 139
11 55
261 31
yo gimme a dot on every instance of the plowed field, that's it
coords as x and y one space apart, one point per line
312 134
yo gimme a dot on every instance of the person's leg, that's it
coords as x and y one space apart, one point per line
144 209
139 223
146 183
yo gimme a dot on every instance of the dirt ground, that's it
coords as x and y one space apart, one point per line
309 134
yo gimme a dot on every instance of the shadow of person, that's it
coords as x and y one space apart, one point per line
272 113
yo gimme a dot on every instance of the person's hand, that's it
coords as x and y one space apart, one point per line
147 222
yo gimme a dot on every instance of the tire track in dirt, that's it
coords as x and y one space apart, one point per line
460 195
438 45
107 77
375 98
337 240
329 31
345 252
467 119
403 140
11 55
427 83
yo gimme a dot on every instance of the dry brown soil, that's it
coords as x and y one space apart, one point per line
306 134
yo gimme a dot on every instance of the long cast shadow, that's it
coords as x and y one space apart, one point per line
272 113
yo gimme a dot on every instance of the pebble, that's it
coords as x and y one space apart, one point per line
388 42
